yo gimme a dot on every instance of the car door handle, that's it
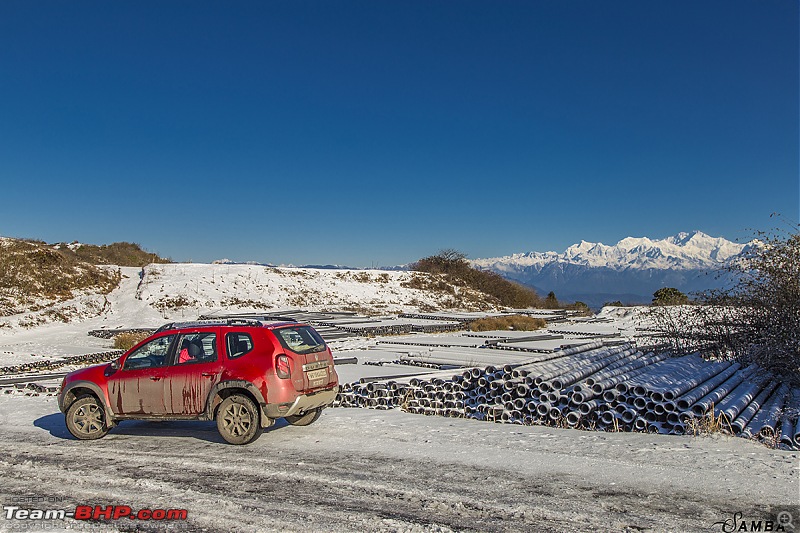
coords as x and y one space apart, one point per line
156 378
208 374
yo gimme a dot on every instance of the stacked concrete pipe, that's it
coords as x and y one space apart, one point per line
599 387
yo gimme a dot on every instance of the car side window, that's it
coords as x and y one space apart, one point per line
197 348
238 344
150 355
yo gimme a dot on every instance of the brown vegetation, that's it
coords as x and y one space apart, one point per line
235 301
508 322
709 424
174 303
581 308
118 253
362 277
129 339
454 270
32 273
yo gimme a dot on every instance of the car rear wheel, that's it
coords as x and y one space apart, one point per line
237 420
306 418
86 419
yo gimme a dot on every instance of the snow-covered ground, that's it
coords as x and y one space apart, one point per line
369 470
359 469
365 470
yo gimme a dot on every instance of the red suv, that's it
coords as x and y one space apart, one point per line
244 374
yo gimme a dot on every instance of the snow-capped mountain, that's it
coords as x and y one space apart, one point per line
630 270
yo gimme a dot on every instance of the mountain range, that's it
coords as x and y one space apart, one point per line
629 271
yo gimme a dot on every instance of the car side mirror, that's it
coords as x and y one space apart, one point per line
113 366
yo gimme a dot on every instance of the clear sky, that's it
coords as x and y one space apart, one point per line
377 132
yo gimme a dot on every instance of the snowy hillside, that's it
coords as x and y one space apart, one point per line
159 292
173 288
630 270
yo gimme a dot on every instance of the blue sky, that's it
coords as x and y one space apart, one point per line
371 132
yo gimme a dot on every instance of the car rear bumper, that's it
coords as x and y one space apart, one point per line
302 404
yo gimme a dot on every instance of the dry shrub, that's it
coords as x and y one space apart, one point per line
174 303
710 424
362 277
235 301
515 322
129 339
416 281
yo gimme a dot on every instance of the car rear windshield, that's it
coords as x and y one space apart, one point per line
300 339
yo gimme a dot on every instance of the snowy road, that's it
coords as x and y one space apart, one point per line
362 470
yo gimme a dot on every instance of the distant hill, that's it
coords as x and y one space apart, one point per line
629 271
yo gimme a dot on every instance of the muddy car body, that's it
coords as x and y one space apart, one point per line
244 374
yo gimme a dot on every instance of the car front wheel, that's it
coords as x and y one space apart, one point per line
86 419
238 420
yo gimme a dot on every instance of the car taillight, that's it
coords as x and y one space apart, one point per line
282 367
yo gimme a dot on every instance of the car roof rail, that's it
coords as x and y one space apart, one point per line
165 327
253 321
275 318
240 322
263 317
